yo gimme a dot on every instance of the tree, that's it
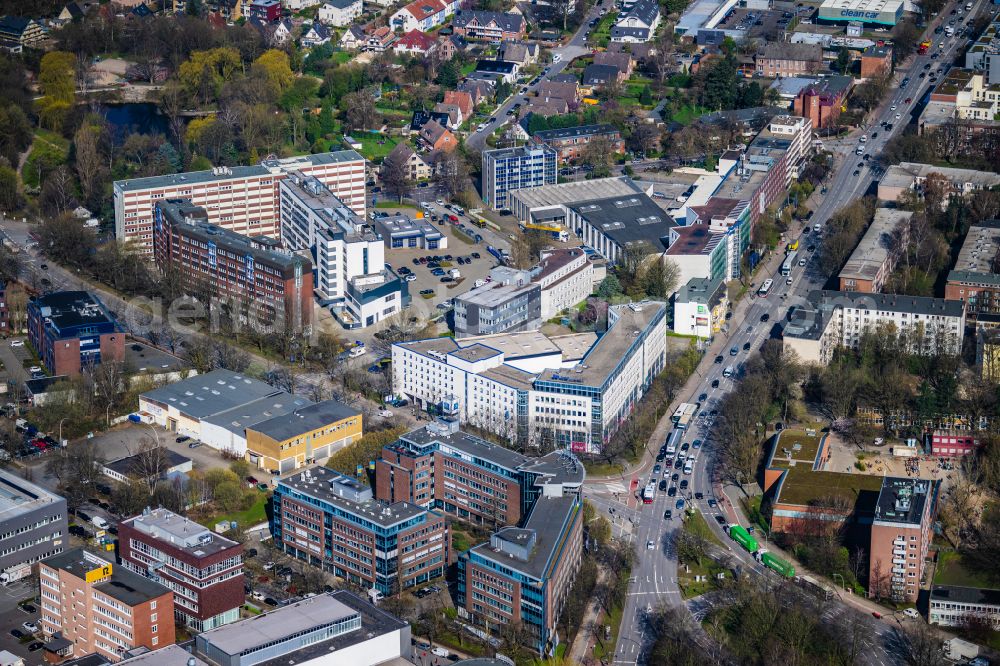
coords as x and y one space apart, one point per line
57 193
598 154
360 111
273 67
453 173
64 239
91 163
57 82
660 277
10 195
395 178
843 60
610 288
76 468
11 265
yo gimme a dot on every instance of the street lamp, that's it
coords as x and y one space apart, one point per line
843 584
60 430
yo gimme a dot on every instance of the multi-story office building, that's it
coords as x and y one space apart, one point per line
32 525
297 438
700 307
439 466
612 224
712 243
872 261
331 521
507 169
72 330
974 279
339 629
204 570
900 537
954 606
274 286
524 574
571 142
99 607
840 318
241 199
349 256
573 391
499 307
984 54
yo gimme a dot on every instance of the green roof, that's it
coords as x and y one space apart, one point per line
802 446
805 487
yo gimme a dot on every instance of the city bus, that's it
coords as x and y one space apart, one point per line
685 412
764 288
673 441
648 492
786 268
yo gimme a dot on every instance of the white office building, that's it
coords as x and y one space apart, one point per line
841 318
348 256
574 391
508 169
952 606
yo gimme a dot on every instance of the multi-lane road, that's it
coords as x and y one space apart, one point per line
654 580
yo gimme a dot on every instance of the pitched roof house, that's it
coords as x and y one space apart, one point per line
414 43
621 60
462 100
436 137
317 35
412 163
489 26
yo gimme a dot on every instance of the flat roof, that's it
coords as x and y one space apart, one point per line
694 239
129 588
628 219
493 294
804 486
872 251
567 193
212 393
477 447
318 482
575 132
611 347
965 595
145 358
796 446
241 417
18 496
905 174
701 290
172 655
134 464
304 419
510 376
238 172
575 346
515 345
547 518
180 532
68 309
902 501
980 248
475 353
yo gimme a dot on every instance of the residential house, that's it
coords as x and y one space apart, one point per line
353 39
414 43
489 26
462 100
570 142
419 15
339 13
623 61
480 91
230 10
449 45
546 106
317 35
71 12
436 137
276 34
600 75
565 90
265 10
501 70
420 118
637 24
379 40
139 12
413 164
783 59
523 53
876 61
299 5
454 114
17 32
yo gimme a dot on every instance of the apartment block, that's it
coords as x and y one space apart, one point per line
32 525
72 330
572 391
204 570
835 319
524 574
351 277
984 53
241 199
951 443
873 260
571 142
900 537
784 59
275 284
98 607
975 279
333 522
440 466
508 169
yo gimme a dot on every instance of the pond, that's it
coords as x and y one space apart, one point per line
142 118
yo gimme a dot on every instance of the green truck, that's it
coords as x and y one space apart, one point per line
742 537
775 563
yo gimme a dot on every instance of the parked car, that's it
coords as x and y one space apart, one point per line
29 626
385 413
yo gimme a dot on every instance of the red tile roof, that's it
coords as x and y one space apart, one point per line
415 40
422 9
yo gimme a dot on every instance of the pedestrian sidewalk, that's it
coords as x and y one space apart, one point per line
579 651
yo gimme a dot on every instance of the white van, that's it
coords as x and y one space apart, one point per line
99 522
728 372
688 467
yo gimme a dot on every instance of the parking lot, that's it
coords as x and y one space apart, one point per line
12 615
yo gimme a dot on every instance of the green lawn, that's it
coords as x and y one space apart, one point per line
601 34
256 514
688 114
48 151
697 525
951 571
605 650
340 57
375 146
390 203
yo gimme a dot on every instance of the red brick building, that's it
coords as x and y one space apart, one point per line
822 102
876 61
204 569
571 142
102 608
949 443
71 330
900 537
232 266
